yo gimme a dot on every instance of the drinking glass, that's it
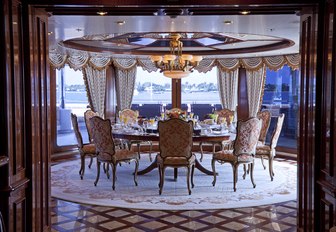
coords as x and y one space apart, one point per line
151 121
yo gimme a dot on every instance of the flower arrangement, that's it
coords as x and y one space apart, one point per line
176 114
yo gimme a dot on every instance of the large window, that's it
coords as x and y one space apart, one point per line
70 98
281 95
152 93
200 93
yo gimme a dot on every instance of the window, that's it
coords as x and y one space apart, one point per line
152 93
70 98
281 95
200 93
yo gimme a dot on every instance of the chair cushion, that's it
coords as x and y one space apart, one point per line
260 143
263 150
228 156
124 154
176 160
89 148
225 155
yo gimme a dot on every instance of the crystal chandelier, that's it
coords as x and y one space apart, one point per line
176 65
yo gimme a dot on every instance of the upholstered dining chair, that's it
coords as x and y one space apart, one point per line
265 117
88 114
132 115
175 144
106 152
225 115
88 149
244 149
268 151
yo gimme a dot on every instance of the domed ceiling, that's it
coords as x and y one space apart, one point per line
206 35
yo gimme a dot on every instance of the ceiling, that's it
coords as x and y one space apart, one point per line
250 35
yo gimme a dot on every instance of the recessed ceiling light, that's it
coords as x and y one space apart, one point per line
120 23
228 22
102 13
245 12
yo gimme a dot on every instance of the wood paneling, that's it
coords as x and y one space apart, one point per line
176 93
243 105
326 164
307 135
39 159
13 179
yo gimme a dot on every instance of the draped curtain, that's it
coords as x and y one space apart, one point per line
255 86
95 83
228 88
125 70
78 59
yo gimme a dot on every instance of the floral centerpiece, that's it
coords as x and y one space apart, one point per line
176 114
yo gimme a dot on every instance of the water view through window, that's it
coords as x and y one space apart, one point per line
70 98
153 92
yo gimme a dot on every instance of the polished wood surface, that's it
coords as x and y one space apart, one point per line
243 105
14 176
307 134
155 137
38 108
325 203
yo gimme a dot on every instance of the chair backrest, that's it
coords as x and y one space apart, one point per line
76 130
265 116
247 136
175 138
225 114
132 115
102 137
277 130
87 116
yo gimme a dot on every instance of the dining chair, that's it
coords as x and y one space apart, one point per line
265 117
106 152
175 149
85 149
88 114
244 149
132 116
268 151
224 115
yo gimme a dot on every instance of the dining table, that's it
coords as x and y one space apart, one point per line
154 136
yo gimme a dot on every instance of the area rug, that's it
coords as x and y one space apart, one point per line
67 185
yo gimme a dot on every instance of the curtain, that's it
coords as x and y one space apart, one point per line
228 88
255 86
125 82
95 83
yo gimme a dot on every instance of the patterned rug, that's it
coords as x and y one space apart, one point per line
67 185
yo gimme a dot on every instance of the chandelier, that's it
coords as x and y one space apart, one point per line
176 65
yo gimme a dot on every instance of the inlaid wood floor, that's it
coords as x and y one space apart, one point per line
68 216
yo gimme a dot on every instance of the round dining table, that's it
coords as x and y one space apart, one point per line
213 137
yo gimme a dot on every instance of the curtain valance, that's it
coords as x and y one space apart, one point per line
77 60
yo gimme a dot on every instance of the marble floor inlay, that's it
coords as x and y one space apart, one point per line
68 216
